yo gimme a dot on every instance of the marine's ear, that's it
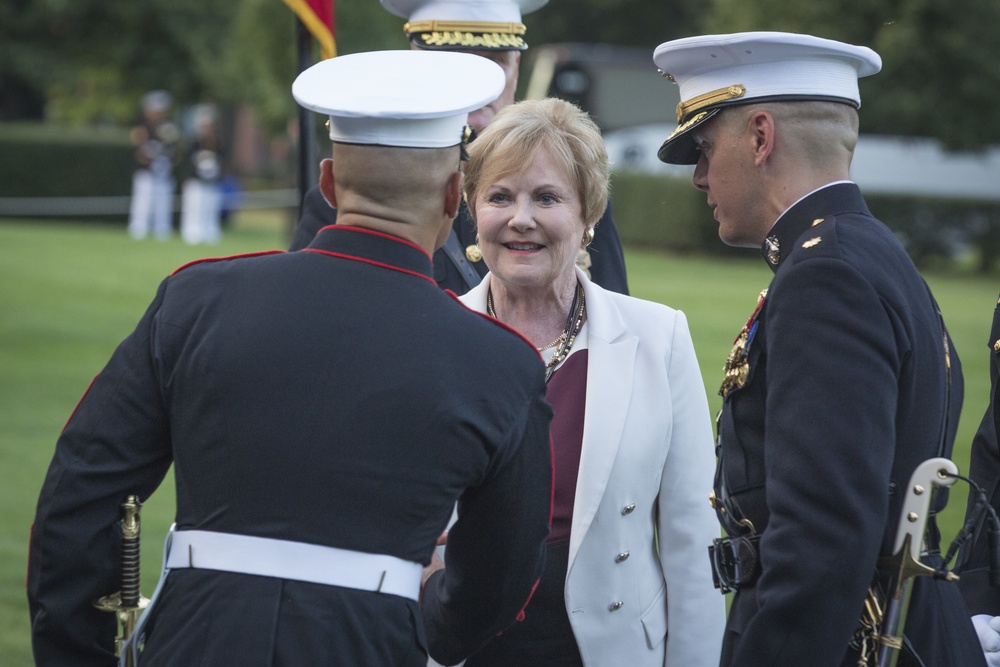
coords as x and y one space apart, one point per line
453 194
762 131
326 182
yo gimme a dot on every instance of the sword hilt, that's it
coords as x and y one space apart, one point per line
905 563
130 552
127 603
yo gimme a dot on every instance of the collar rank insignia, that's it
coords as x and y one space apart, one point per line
773 248
737 366
812 242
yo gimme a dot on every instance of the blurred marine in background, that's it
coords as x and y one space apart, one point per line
201 194
155 139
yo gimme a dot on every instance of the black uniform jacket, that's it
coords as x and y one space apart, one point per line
607 258
984 469
333 396
846 392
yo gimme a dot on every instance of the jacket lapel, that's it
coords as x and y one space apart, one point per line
610 369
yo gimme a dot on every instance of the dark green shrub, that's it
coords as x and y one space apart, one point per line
667 213
936 232
43 160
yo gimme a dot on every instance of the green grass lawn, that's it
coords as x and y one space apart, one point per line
70 292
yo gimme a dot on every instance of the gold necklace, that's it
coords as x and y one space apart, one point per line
564 342
560 338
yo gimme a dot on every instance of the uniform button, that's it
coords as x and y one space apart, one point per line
615 606
996 346
621 557
628 509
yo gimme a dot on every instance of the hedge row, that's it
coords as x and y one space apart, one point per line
669 213
665 212
43 161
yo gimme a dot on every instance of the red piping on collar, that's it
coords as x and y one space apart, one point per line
365 230
228 257
372 262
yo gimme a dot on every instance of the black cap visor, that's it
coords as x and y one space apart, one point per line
679 147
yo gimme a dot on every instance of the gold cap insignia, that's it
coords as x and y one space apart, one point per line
467 34
502 28
710 98
683 127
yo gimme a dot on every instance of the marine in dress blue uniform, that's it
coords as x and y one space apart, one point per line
984 469
491 28
842 381
156 148
329 401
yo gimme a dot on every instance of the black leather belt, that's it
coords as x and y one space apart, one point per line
735 562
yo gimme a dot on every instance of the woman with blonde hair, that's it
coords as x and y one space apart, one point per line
627 579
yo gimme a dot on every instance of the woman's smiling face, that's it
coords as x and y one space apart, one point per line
530 224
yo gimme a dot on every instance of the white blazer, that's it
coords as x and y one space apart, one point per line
646 470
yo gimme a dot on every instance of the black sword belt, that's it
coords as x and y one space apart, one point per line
735 562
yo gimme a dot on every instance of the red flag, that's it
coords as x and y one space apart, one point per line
317 16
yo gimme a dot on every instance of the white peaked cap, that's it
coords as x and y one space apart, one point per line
490 25
715 71
410 99
494 11
156 100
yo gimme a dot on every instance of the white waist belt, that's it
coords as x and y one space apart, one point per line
268 557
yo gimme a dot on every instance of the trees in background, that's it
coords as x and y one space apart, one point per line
92 60
940 76
87 61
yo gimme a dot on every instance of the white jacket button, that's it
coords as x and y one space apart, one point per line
621 557
615 606
628 509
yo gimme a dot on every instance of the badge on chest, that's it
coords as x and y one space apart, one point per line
737 367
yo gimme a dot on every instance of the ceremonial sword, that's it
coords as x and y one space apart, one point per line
127 603
905 563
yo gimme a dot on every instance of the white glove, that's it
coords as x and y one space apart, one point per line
988 630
